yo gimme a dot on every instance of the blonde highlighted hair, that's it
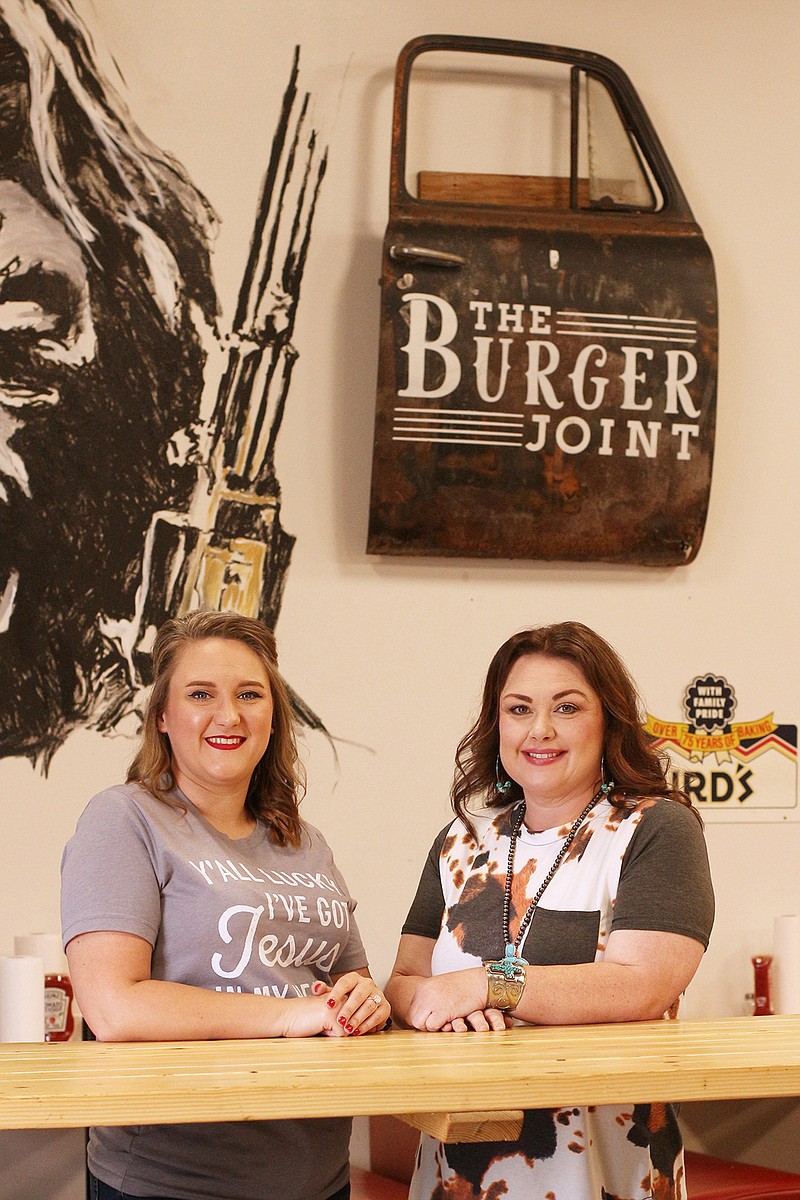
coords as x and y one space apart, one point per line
278 782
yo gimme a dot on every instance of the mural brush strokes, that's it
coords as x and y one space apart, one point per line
228 549
137 476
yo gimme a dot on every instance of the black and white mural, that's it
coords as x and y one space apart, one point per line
137 421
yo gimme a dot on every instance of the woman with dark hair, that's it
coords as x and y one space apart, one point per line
578 892
196 903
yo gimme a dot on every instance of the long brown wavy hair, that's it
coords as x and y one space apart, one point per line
629 756
278 782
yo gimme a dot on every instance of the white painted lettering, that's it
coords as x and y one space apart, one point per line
540 422
538 383
481 307
483 347
677 391
606 424
630 377
578 374
540 314
638 438
684 432
510 318
584 435
419 346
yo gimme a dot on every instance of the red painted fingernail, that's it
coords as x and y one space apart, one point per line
356 1032
349 1027
341 1020
331 1002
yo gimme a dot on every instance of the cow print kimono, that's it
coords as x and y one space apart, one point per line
643 867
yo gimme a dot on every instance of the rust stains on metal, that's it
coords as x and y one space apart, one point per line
548 351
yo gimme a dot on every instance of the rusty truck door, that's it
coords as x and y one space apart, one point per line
548 344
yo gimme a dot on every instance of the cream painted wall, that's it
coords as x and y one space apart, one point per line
391 653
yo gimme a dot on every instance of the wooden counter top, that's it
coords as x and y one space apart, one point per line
83 1083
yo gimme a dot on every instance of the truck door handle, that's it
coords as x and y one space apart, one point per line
426 257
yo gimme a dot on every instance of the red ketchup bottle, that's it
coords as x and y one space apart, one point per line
762 998
59 1022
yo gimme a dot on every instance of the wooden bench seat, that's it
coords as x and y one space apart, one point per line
709 1178
369 1185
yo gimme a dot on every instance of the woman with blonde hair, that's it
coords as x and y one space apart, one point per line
196 903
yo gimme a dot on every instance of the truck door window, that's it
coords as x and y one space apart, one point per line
488 129
617 171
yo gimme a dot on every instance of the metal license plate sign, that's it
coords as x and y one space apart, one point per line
548 342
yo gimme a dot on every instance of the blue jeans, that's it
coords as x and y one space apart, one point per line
101 1191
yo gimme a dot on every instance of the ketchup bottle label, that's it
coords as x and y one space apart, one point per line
58 1020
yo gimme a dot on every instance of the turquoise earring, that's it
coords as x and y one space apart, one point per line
501 785
608 784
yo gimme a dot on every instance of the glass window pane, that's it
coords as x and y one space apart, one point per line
495 130
489 129
616 172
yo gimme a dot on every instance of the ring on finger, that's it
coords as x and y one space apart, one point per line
376 1000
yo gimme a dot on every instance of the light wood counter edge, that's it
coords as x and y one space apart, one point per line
468 1126
75 1084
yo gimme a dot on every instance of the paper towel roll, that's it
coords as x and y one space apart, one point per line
46 946
21 998
786 964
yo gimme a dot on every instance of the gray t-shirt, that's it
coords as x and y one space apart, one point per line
245 916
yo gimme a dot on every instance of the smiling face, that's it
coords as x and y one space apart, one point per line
218 718
551 737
